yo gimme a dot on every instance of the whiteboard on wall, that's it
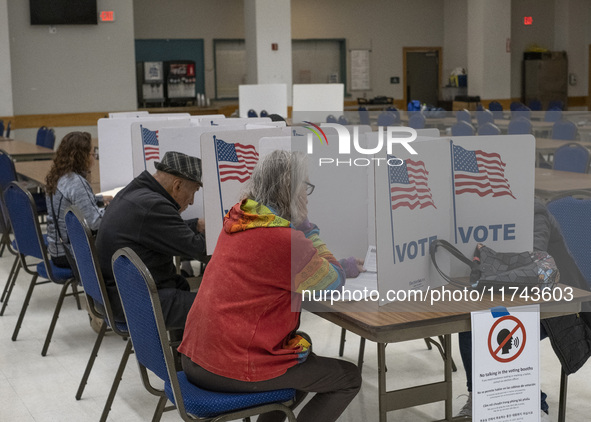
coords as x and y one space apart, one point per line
269 97
318 97
360 70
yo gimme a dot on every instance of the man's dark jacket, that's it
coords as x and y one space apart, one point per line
144 217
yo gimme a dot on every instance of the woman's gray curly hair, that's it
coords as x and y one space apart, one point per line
275 181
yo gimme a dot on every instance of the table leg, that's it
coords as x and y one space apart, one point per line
382 381
448 378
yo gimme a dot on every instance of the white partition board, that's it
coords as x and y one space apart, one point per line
222 188
269 97
318 97
114 138
205 120
127 114
182 139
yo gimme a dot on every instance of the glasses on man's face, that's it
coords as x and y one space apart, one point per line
309 188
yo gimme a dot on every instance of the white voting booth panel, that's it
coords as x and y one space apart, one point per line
228 158
269 97
466 190
205 120
114 137
233 121
185 139
127 114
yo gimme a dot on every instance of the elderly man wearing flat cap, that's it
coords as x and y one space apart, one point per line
145 216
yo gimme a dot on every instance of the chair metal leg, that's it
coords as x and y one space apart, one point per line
429 347
563 392
93 355
342 345
159 409
76 294
56 314
361 353
16 266
116 381
24 308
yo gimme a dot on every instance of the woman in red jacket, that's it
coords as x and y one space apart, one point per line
240 334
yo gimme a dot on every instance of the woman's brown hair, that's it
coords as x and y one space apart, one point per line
71 157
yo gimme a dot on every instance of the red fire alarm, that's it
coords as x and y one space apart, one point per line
274 46
528 20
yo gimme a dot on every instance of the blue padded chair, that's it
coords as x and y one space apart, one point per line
252 113
416 120
387 118
2 128
141 304
556 104
522 111
462 128
553 115
343 121
519 126
464 115
564 129
496 108
364 116
572 157
535 105
331 119
264 113
91 277
30 244
7 134
484 116
515 105
572 215
45 137
8 174
489 129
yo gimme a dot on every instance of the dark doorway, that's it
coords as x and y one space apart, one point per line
422 73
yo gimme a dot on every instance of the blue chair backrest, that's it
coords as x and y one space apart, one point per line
391 108
521 111
484 116
556 104
78 233
41 135
462 128
252 113
23 216
519 126
416 121
7 135
364 116
515 105
2 128
7 170
386 118
572 157
49 139
140 310
553 115
331 119
489 129
464 115
264 113
573 217
535 105
496 108
564 129
343 120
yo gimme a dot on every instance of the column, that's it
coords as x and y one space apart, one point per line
267 27
6 106
489 62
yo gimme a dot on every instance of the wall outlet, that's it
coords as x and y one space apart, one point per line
52 30
394 80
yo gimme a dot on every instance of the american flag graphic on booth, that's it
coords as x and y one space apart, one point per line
409 184
235 161
479 172
150 144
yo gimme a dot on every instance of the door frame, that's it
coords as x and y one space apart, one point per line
405 51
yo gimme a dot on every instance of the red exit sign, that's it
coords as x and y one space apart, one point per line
528 20
107 16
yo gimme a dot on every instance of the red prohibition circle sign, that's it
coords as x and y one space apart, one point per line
494 353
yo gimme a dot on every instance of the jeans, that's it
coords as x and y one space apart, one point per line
465 341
